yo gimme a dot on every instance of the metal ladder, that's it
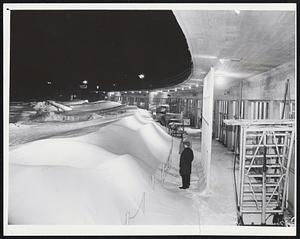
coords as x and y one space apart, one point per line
264 161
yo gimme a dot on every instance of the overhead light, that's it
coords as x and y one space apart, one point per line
97 87
49 82
190 87
206 56
237 11
125 92
85 82
132 92
140 92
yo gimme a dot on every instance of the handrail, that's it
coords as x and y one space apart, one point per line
141 206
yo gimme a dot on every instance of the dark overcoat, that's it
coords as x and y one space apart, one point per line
185 164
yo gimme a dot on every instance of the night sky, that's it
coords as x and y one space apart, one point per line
106 48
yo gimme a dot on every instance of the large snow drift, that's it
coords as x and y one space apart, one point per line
91 179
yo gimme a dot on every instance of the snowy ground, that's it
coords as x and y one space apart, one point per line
96 171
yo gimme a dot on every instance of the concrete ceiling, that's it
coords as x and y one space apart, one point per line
237 45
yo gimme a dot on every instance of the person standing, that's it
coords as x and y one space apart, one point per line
185 165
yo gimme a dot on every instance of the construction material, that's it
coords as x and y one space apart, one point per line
264 161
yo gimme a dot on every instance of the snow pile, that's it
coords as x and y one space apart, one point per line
50 106
133 135
81 184
94 106
59 106
75 102
53 116
17 125
94 116
44 106
90 179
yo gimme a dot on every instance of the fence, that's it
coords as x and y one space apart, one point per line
142 206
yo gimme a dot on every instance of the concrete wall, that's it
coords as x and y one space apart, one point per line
269 85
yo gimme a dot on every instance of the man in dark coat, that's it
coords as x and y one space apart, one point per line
185 165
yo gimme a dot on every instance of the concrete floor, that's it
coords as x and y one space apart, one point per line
217 205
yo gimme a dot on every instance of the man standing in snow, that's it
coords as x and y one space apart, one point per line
185 165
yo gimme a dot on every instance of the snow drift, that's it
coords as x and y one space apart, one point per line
133 135
75 102
90 179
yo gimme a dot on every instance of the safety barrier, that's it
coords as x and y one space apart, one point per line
167 165
142 206
164 168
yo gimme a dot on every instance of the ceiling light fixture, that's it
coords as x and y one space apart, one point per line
205 56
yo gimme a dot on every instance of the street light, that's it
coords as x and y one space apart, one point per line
141 76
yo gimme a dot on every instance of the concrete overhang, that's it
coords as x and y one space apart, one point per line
237 44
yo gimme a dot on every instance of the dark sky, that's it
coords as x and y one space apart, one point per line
102 47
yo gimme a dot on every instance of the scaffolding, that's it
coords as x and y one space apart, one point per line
265 151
